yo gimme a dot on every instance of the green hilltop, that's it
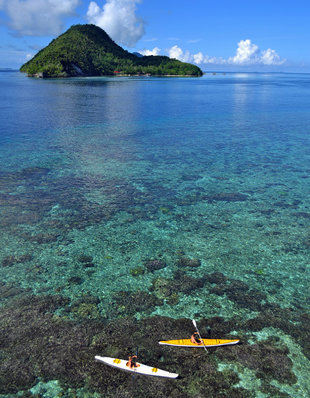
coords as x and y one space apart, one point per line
87 50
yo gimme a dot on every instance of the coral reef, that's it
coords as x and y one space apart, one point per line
86 310
84 259
9 291
162 287
129 303
188 262
54 348
165 288
32 205
241 294
264 358
226 197
154 265
137 271
11 260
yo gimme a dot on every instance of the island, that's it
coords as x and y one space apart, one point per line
87 50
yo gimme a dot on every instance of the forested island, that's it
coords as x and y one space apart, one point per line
87 50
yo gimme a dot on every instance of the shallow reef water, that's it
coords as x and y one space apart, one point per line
130 207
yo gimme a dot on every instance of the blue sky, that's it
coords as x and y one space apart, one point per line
236 35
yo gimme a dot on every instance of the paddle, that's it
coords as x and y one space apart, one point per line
196 327
137 353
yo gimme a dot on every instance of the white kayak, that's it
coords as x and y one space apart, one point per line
141 369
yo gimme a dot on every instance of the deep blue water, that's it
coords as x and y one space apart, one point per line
128 170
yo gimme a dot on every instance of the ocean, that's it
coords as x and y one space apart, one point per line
131 206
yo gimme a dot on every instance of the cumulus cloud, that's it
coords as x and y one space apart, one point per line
198 58
270 57
118 18
177 53
247 53
155 51
38 17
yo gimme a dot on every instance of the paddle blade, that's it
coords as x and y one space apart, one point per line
194 323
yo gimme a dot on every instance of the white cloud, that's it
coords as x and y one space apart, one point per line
192 41
155 51
177 53
38 17
150 39
198 58
247 53
270 57
118 18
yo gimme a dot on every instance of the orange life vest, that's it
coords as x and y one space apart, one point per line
131 364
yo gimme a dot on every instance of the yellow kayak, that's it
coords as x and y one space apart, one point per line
207 343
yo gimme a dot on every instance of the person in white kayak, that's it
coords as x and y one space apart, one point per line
132 362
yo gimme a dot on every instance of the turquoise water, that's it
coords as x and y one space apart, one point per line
125 200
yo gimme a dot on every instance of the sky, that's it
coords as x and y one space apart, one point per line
226 35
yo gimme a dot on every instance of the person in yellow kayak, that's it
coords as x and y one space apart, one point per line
195 339
132 362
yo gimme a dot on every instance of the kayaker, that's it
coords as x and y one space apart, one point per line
195 339
132 362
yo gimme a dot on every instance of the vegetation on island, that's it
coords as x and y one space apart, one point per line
87 50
